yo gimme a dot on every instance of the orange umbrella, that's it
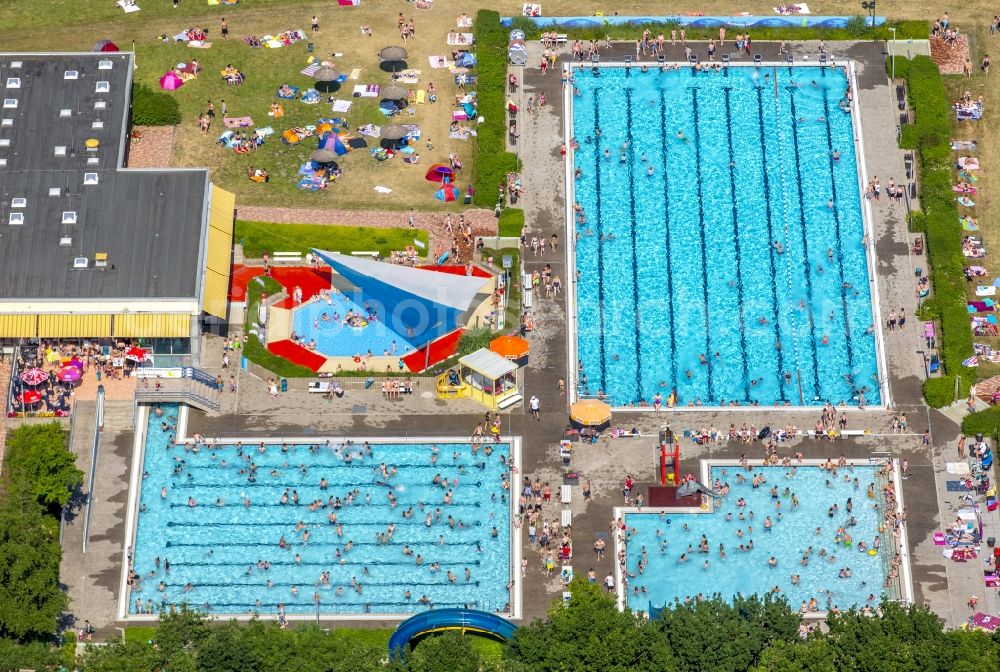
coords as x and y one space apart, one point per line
590 413
511 347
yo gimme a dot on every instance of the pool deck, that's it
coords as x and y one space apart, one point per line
92 579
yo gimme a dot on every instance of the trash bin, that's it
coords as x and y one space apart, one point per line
991 541
284 384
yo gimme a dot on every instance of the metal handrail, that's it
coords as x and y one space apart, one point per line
98 421
173 394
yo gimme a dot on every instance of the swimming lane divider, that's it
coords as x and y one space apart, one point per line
805 244
736 244
666 210
701 230
600 237
770 240
836 222
635 262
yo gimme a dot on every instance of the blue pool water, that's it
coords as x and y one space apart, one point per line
216 548
681 264
336 339
748 572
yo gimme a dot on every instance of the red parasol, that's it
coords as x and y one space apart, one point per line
135 353
30 397
69 374
34 376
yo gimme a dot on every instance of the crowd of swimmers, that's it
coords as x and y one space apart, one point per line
321 516
831 545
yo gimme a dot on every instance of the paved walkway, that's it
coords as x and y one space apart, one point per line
153 150
483 222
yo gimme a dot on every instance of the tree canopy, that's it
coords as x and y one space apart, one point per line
40 464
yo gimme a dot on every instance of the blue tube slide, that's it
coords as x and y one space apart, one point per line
441 620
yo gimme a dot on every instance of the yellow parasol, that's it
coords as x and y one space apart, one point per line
590 413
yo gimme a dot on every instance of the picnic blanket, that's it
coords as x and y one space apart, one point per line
968 163
294 91
986 306
955 486
355 73
409 76
986 290
459 39
462 135
238 122
957 468
371 130
128 7
366 90
341 106
283 39
266 131
963 144
438 61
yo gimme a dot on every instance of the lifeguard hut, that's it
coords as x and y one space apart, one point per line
483 376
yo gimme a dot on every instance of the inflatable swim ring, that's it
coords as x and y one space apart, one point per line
872 551
357 359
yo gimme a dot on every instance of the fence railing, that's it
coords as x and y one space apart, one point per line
98 425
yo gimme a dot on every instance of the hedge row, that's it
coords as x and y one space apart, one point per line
493 161
929 135
854 30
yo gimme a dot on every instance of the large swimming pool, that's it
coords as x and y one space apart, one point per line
324 323
219 514
722 251
794 529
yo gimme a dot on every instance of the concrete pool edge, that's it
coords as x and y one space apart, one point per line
867 217
704 471
132 520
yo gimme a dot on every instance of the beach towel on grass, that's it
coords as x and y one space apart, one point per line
439 61
341 106
127 8
355 73
310 69
366 90
266 131
459 39
238 122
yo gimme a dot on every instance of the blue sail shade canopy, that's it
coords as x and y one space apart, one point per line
422 304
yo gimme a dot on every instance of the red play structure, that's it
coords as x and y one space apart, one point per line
670 458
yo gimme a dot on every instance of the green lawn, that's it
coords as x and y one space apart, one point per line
260 237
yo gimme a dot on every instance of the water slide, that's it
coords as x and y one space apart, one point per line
693 487
439 620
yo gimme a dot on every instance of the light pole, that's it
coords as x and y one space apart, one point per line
869 5
892 52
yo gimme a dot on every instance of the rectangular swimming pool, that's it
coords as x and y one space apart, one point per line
720 244
339 528
757 538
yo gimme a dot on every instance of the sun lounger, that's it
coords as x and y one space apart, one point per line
238 122
320 387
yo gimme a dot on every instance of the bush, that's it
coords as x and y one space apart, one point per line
493 161
154 108
475 339
511 222
985 422
929 135
253 349
857 27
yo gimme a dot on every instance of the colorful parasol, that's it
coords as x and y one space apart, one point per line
69 374
135 354
29 397
34 376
